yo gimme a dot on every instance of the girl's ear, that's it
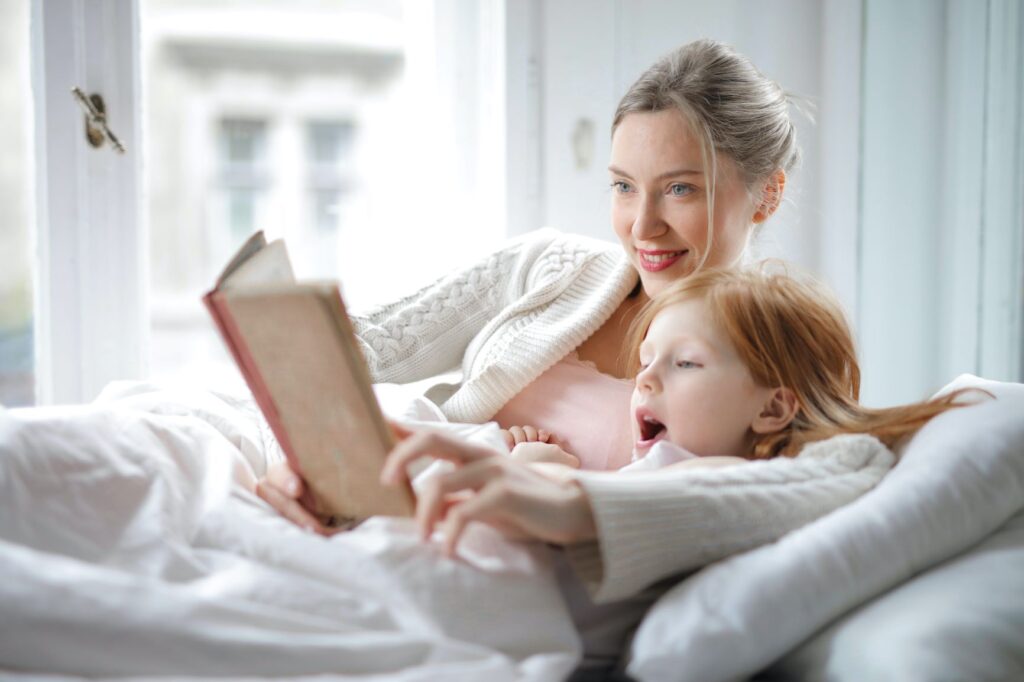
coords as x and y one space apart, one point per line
778 411
771 196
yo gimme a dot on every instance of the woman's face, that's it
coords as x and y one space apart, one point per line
659 200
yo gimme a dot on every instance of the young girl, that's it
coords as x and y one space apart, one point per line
732 366
742 365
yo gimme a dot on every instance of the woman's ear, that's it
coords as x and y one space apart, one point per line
777 412
771 196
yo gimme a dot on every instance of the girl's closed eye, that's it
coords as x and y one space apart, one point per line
688 364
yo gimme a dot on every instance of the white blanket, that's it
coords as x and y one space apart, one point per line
130 545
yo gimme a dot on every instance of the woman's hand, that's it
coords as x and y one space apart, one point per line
283 489
489 487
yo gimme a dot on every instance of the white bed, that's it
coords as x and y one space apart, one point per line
131 547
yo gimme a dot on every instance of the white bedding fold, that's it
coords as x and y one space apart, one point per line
131 545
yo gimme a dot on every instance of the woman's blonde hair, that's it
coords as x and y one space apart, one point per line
792 333
730 107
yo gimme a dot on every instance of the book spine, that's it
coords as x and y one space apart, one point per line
221 313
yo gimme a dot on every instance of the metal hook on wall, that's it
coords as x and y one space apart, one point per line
96 129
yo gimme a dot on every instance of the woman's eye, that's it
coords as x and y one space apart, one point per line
622 187
680 190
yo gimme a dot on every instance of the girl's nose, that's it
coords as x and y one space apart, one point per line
647 379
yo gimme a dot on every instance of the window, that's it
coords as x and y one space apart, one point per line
17 373
253 116
244 176
329 159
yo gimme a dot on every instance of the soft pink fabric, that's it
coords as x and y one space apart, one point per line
586 409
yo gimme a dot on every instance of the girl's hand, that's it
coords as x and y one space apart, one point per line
517 435
489 487
546 453
283 489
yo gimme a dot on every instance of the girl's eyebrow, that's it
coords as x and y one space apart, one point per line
663 176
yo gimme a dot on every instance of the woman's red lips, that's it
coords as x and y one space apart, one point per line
655 260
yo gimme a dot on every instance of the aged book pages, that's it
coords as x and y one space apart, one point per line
296 349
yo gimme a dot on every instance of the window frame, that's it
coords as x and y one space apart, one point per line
91 276
90 239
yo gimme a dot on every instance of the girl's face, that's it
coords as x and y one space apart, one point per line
660 200
693 390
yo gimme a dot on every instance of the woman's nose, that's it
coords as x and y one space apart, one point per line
648 223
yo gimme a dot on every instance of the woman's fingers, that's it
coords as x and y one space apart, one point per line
289 507
430 444
282 477
401 432
487 506
435 497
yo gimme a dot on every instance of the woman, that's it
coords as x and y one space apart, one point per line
701 144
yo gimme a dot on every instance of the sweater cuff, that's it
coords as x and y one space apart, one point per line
624 559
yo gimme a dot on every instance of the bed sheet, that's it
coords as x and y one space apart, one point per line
131 545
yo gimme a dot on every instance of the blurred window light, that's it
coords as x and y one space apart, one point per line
329 152
17 365
258 116
244 178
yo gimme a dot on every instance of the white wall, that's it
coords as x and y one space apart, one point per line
591 57
908 202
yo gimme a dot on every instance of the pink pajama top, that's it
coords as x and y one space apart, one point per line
586 409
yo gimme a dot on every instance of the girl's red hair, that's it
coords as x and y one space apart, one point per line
792 333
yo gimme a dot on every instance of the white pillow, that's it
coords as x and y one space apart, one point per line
962 620
960 478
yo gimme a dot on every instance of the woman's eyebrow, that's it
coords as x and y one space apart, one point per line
663 176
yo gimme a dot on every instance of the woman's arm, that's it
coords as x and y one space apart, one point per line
427 333
651 525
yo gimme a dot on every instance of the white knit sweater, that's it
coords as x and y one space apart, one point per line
655 524
503 321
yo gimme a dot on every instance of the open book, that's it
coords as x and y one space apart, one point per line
295 346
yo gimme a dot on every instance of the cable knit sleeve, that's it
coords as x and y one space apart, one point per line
427 332
655 524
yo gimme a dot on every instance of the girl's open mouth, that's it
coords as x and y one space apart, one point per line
651 431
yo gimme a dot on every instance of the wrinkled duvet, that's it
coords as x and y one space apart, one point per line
131 545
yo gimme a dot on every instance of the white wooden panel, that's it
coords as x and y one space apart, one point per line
578 86
839 151
91 275
524 184
900 272
962 190
1002 249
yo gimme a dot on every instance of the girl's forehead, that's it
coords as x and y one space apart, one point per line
688 317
